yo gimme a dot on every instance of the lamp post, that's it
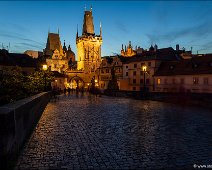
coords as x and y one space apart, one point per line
45 67
96 82
144 71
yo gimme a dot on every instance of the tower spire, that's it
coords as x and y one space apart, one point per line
91 9
100 29
77 31
58 31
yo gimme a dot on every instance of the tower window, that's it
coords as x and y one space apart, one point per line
158 81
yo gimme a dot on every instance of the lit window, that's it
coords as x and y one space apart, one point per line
158 81
195 80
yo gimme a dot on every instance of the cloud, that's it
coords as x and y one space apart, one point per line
122 27
17 36
199 31
31 45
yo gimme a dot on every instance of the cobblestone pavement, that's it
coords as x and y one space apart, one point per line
86 132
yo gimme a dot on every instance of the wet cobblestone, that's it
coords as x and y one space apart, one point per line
86 132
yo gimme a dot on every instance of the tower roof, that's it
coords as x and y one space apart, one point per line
53 41
88 26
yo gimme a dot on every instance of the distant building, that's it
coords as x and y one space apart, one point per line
188 75
10 60
128 51
33 54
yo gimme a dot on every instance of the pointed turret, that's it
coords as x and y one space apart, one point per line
64 47
130 44
77 32
88 26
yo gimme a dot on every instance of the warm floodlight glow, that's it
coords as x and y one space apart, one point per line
45 67
96 81
144 68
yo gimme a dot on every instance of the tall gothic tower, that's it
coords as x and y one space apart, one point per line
88 45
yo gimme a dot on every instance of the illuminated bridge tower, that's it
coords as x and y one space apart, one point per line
88 45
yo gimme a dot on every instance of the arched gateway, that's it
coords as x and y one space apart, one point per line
78 79
75 82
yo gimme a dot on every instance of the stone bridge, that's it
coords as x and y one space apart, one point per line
90 132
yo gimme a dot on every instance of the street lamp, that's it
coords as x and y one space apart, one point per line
144 71
56 83
45 67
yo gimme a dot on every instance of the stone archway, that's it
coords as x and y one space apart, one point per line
75 82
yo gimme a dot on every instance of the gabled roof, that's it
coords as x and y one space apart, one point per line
196 65
164 54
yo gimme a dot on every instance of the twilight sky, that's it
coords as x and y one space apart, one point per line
25 24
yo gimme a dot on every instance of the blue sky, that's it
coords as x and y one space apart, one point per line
25 24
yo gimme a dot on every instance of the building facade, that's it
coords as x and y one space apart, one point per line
58 57
103 73
88 45
187 76
135 78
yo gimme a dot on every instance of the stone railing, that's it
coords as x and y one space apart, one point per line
17 120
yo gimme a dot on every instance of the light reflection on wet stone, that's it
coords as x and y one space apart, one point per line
105 132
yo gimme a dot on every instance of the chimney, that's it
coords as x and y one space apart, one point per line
177 47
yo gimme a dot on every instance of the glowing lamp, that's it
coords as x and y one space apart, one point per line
45 67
